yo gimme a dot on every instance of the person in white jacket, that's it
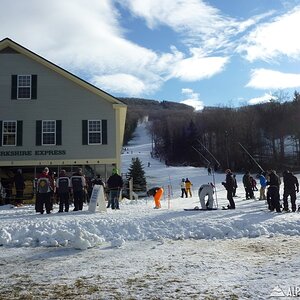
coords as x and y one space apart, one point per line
206 190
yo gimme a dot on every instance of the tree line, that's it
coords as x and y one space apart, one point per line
270 132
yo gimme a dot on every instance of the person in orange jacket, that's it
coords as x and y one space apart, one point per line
157 193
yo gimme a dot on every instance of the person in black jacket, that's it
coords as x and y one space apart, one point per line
229 185
291 186
114 184
273 191
20 186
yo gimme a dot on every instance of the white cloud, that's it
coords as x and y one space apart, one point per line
199 23
273 39
269 79
263 99
196 67
121 83
192 99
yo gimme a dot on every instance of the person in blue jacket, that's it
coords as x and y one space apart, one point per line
263 185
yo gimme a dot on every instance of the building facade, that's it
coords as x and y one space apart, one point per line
50 117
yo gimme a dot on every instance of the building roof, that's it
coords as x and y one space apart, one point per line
9 46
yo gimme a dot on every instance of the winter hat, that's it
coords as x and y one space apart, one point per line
115 171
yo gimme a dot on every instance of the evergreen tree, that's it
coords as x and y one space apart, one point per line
136 171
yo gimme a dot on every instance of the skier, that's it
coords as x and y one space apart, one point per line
273 191
263 184
235 186
44 190
63 187
291 186
248 185
188 186
78 185
206 190
157 193
183 189
229 185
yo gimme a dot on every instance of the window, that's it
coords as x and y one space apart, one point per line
94 133
9 133
48 132
24 87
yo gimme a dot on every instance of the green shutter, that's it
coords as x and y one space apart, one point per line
0 133
58 132
38 135
104 132
33 86
19 133
14 86
84 132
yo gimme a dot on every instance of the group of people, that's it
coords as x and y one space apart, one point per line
269 189
186 188
66 188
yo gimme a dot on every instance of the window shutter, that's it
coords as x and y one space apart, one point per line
14 86
58 132
38 135
104 132
33 86
84 132
19 133
0 133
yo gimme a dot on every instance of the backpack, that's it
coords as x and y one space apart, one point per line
43 185
77 183
63 185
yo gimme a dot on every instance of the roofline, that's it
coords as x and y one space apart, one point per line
7 42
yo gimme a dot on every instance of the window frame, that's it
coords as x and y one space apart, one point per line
29 86
100 131
48 132
15 133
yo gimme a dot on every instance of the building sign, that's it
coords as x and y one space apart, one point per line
33 153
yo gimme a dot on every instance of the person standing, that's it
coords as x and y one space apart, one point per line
263 185
291 187
234 185
183 188
63 187
248 185
188 187
115 185
229 185
20 186
273 191
78 185
44 191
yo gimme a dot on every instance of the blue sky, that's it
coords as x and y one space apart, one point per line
203 53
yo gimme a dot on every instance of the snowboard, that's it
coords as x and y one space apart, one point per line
199 209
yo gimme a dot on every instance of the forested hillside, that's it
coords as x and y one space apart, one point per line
270 132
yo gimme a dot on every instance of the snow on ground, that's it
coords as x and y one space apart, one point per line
142 253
